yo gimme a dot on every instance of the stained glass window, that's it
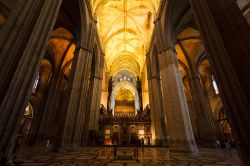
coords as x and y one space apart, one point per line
34 88
216 90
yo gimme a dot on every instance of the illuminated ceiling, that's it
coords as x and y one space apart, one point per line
124 75
125 28
124 85
125 94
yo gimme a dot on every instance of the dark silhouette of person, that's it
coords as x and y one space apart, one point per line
148 141
142 143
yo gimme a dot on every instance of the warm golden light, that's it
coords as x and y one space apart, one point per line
125 28
125 94
125 91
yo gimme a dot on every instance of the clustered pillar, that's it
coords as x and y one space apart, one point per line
226 35
158 124
203 114
23 41
175 106
94 100
204 118
71 128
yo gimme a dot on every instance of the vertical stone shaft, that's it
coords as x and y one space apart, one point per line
94 102
204 119
226 36
203 112
53 109
156 108
23 41
49 109
94 96
73 116
176 110
152 116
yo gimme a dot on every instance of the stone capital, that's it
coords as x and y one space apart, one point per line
166 49
154 77
168 57
157 20
83 49
102 53
96 77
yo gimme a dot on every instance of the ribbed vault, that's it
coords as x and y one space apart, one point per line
125 28
124 86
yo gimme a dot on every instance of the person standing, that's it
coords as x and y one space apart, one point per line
142 143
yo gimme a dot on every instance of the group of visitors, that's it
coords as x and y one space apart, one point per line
225 144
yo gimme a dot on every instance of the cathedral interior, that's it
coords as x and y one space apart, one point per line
124 82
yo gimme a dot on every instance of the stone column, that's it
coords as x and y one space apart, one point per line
152 116
158 124
50 106
71 121
204 117
93 125
23 40
94 99
104 96
207 96
205 124
175 105
94 102
226 36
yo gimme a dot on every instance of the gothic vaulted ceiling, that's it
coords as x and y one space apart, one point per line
125 28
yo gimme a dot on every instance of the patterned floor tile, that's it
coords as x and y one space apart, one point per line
103 156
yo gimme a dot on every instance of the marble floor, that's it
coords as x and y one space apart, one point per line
103 156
